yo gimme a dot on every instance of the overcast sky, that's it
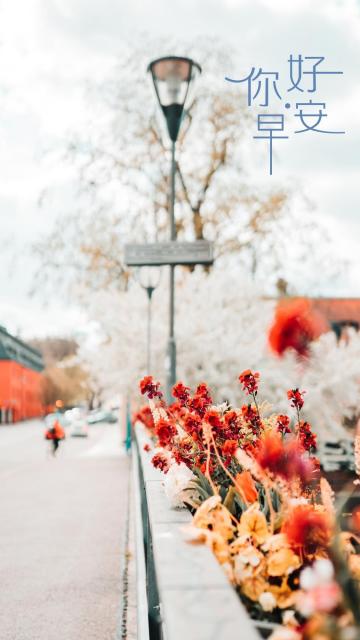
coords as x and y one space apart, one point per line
49 48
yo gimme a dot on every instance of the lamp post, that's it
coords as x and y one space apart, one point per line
148 278
173 77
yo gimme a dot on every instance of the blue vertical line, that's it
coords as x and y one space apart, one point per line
128 428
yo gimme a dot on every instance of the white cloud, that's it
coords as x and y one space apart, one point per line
28 319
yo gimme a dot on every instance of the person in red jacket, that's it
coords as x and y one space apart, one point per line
55 434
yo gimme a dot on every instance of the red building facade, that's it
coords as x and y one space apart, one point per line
20 380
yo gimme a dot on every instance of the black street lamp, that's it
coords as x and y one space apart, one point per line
148 278
172 77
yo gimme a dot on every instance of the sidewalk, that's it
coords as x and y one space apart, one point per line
62 539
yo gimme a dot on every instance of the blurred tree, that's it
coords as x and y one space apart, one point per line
71 383
55 348
65 378
122 171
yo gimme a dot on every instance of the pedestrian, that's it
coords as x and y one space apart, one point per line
55 434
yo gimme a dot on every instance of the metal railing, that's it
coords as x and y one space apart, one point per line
337 456
149 619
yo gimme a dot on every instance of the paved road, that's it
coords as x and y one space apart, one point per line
61 535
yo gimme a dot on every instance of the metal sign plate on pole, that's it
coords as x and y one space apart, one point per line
173 253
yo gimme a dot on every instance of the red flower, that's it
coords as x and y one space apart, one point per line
183 453
308 529
298 464
249 381
284 459
251 417
211 467
181 392
202 390
270 454
192 425
232 426
283 424
201 400
296 398
295 325
160 461
198 405
147 447
176 411
229 447
145 416
306 437
231 419
214 419
165 432
150 388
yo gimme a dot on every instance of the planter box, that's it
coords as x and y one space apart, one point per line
188 594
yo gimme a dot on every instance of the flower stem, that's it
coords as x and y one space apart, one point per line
207 471
229 475
271 508
256 405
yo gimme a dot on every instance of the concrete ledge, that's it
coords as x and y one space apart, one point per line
195 597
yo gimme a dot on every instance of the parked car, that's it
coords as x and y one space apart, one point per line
79 428
99 415
78 423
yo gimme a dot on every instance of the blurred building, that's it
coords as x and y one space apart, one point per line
20 379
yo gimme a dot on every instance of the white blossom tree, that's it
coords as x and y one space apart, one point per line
121 163
222 325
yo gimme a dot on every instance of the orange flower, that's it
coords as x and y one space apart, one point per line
253 523
282 562
295 325
270 454
214 516
307 528
355 519
284 458
229 447
253 587
246 484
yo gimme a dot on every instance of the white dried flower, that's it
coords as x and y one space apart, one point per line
222 408
176 480
308 579
324 570
283 633
294 502
288 617
321 572
267 601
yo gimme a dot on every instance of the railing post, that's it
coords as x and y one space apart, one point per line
128 428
